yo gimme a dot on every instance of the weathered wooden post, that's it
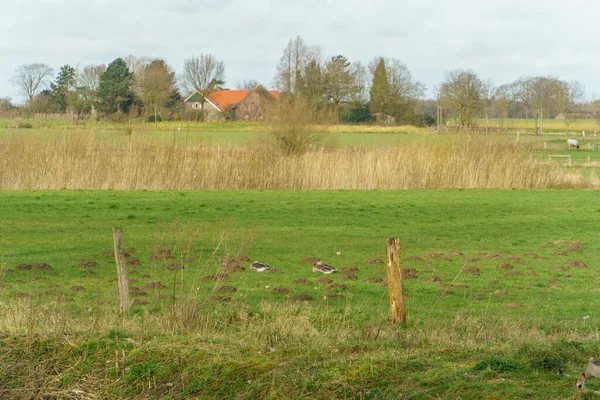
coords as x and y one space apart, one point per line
121 271
394 276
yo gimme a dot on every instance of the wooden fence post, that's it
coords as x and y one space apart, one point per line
394 276
121 271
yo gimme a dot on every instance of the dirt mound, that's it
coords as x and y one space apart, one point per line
216 277
302 281
413 258
472 271
302 297
155 285
409 273
235 267
280 290
506 266
76 288
349 276
577 264
433 279
339 286
560 242
310 259
324 280
456 253
175 267
373 279
21 295
574 246
88 272
350 269
24 267
471 259
501 293
445 292
146 276
373 261
560 253
514 273
227 289
132 261
87 264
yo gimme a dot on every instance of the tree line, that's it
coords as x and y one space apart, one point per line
333 87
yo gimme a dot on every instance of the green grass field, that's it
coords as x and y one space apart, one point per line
480 329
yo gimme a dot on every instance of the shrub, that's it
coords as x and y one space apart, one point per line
357 116
293 127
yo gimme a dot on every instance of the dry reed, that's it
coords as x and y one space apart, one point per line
75 162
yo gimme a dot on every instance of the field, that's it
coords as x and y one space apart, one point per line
500 261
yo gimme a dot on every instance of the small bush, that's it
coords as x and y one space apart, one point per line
24 125
293 127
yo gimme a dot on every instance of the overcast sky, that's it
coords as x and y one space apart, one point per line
500 40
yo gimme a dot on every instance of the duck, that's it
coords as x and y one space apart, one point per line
323 268
592 371
259 267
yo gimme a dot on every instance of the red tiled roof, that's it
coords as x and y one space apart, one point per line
224 98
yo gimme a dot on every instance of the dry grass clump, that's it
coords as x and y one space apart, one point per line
74 162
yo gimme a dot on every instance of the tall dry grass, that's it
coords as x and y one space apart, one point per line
77 162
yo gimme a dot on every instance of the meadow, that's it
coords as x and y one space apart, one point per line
499 259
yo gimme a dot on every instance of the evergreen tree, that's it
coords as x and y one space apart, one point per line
63 88
380 90
115 92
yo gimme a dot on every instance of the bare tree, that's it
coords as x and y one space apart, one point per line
289 71
247 84
360 84
89 77
31 78
204 75
465 93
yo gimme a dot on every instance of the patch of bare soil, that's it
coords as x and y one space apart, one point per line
373 279
437 256
455 253
324 280
471 270
490 256
574 246
494 282
221 298
21 295
137 292
24 267
339 286
76 288
155 285
445 292
175 267
472 259
227 289
216 277
281 290
516 259
577 264
560 253
302 281
433 279
409 273
459 285
302 297
132 261
310 259
373 261
333 296
350 269
514 273
501 293
413 258
232 268
560 242
87 264
349 276
146 276
506 266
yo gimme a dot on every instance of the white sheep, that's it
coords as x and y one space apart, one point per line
573 142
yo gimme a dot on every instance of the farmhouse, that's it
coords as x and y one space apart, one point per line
243 105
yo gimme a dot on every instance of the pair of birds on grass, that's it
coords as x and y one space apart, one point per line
317 267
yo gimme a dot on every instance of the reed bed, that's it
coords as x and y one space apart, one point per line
78 162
